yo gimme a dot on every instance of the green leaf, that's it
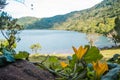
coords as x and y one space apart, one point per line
73 61
52 62
115 59
112 74
53 59
21 55
8 55
93 54
69 57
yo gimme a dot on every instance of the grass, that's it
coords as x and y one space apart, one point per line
38 57
108 53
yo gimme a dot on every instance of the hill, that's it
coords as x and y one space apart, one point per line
99 18
25 21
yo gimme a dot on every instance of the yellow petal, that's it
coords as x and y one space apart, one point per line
80 52
100 67
63 64
85 50
80 49
75 50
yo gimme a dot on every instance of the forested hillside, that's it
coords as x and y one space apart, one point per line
100 18
27 20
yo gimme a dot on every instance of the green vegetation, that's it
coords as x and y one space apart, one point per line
11 29
35 47
81 66
26 21
2 4
75 68
114 34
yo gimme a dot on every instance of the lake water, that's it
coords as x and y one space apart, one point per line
56 41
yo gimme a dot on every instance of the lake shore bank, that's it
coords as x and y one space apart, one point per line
107 53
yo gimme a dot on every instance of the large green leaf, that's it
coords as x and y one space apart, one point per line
113 73
8 55
93 54
21 55
53 62
73 61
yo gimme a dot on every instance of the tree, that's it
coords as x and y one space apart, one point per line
11 29
8 24
115 33
35 47
92 38
2 4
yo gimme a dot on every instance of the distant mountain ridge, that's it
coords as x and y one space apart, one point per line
99 18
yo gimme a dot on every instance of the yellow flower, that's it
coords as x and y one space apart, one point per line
80 52
63 64
100 68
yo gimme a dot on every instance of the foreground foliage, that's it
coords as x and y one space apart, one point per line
85 64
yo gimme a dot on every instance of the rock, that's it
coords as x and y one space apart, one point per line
24 70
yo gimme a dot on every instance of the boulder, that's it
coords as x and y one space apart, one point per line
24 70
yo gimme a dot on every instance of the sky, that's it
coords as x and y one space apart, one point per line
47 8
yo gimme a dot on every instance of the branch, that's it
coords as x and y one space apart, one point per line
4 35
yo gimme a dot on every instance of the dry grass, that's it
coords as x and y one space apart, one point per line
109 53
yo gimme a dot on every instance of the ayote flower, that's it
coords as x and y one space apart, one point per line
80 52
63 64
100 68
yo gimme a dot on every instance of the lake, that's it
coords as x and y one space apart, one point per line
56 41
